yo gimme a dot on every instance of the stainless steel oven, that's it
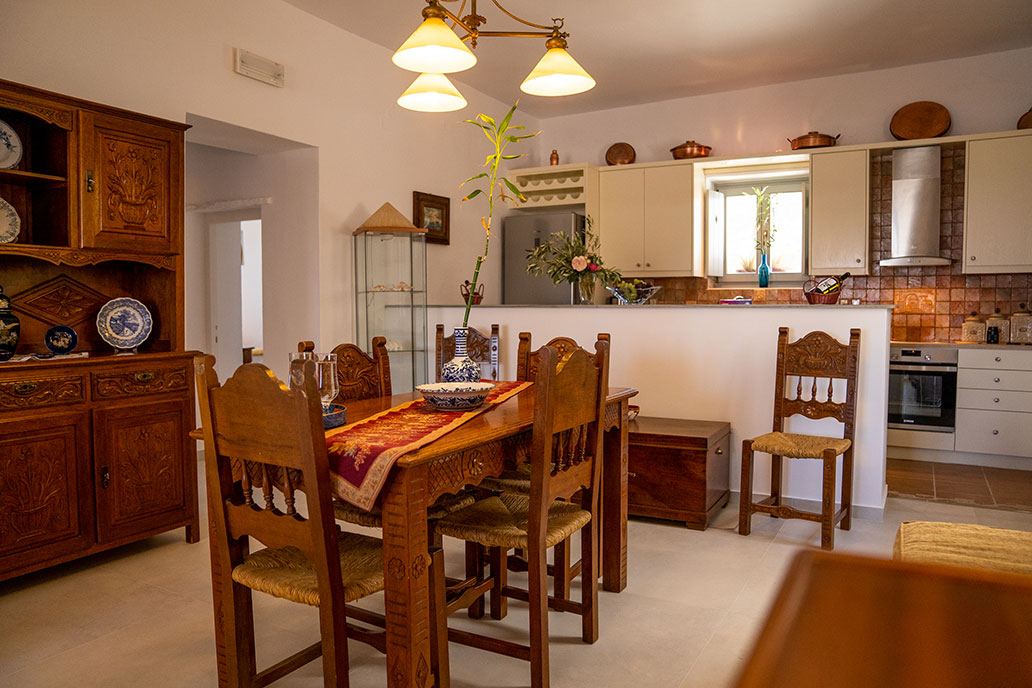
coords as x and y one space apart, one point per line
922 387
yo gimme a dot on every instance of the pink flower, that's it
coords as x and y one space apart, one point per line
592 267
579 263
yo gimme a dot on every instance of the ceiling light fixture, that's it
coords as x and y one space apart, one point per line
436 50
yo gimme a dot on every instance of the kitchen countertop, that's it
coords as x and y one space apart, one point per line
958 345
808 306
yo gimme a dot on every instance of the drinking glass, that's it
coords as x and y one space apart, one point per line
325 373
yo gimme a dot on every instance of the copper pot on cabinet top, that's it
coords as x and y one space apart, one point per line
813 139
690 149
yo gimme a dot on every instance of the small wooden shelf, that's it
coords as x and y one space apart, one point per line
26 178
64 255
556 186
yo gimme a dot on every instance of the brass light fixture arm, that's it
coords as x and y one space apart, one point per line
473 20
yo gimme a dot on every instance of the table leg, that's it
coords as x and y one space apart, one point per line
614 499
406 579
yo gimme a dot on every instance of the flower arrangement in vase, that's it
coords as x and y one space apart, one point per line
576 259
501 133
764 232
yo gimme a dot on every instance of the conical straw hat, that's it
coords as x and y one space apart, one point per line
388 219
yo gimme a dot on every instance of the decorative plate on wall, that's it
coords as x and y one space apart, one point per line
10 147
61 339
10 223
124 323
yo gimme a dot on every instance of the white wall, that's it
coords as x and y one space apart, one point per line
172 58
251 282
983 94
717 363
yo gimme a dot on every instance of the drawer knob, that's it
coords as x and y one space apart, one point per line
996 432
143 377
996 400
858 261
24 387
720 450
996 379
998 359
632 475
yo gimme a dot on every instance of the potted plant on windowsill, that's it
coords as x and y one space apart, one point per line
576 259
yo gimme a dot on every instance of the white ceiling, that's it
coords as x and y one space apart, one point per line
642 51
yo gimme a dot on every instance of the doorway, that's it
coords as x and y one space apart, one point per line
235 288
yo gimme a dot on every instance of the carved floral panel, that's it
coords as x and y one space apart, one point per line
36 489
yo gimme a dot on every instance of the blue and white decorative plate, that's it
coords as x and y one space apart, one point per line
124 323
10 147
10 223
456 396
61 339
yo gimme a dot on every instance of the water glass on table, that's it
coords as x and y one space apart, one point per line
325 373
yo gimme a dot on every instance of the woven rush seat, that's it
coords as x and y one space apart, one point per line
799 446
502 521
343 511
517 480
286 572
962 544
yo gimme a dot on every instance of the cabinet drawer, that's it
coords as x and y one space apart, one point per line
997 359
113 385
994 432
42 391
974 378
993 400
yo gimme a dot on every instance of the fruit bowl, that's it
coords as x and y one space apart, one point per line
455 396
636 298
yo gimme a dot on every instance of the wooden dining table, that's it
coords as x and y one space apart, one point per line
482 447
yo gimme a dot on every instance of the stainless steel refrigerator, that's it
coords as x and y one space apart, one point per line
521 233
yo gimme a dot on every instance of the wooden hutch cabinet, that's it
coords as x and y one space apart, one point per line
94 451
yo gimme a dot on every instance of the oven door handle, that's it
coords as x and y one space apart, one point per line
905 367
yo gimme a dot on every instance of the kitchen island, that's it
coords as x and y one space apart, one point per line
708 362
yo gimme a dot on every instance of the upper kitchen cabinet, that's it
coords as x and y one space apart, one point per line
998 205
645 219
839 219
131 184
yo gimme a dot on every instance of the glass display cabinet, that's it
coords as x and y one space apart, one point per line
390 288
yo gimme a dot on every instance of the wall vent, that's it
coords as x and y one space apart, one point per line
257 67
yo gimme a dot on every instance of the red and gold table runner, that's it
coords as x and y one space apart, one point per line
361 454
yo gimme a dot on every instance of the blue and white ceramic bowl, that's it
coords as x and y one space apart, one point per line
124 323
456 396
61 339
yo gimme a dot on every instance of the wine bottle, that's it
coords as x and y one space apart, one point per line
830 284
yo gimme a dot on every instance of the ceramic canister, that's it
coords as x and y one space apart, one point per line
10 328
1002 325
973 329
1021 326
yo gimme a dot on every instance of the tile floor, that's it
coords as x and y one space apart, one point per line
141 615
960 484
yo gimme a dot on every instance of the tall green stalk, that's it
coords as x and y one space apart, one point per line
496 133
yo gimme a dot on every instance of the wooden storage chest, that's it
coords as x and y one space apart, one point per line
678 469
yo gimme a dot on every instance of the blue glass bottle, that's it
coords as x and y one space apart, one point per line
763 271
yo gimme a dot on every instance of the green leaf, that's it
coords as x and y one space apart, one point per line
512 187
505 122
512 157
473 194
475 176
489 120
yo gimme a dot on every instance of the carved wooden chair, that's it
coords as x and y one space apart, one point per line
817 355
360 376
480 347
565 458
264 444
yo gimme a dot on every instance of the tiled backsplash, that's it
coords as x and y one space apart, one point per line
931 302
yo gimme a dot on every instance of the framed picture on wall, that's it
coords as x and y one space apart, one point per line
432 213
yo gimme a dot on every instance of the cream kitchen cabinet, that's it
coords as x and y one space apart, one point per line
645 219
839 212
994 401
998 205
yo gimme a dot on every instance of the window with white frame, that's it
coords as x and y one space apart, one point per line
734 253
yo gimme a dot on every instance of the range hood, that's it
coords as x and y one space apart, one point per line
915 207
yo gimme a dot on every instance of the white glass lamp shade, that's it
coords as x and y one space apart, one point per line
557 74
432 93
434 48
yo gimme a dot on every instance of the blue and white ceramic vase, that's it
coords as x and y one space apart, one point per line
763 272
462 368
10 328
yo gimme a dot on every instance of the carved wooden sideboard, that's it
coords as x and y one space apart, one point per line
93 451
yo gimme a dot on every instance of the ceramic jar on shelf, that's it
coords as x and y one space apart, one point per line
973 329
